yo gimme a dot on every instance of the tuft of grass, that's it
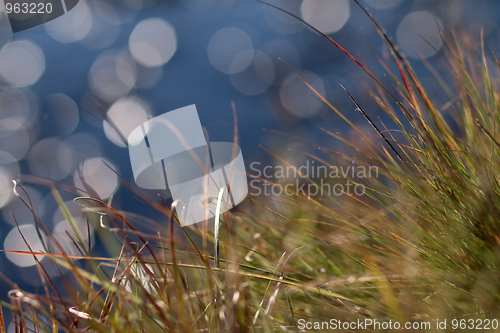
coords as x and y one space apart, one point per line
421 245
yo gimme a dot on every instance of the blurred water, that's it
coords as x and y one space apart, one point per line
59 80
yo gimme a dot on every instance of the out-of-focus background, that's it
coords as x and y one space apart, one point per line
70 90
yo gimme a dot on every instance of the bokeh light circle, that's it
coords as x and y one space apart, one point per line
328 16
112 75
230 50
296 97
383 4
15 242
22 63
124 116
17 207
18 105
6 186
51 158
63 230
72 26
107 12
63 113
96 174
15 137
418 35
257 77
101 33
282 22
153 42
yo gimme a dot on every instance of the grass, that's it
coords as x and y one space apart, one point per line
422 244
